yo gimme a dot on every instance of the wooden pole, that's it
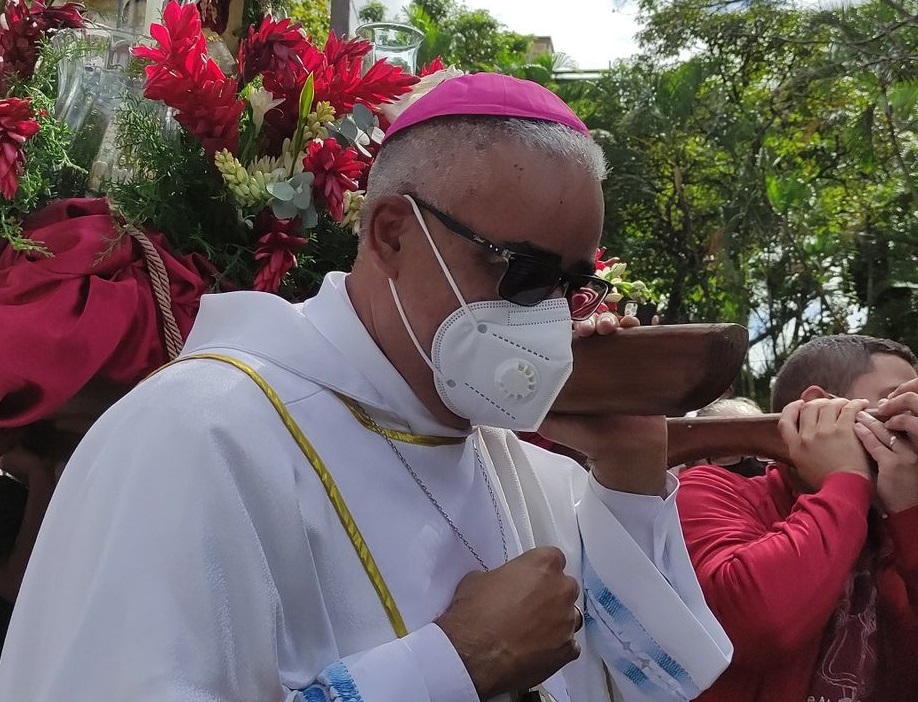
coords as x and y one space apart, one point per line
341 17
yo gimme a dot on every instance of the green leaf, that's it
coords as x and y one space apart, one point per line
281 191
302 180
363 117
349 129
310 217
303 198
284 209
306 97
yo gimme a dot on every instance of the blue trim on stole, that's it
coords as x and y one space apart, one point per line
627 647
334 684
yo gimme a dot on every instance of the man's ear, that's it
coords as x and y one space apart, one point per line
814 392
390 220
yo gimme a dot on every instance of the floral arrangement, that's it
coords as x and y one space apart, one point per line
634 292
33 145
291 136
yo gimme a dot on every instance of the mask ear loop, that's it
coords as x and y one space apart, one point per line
443 266
414 339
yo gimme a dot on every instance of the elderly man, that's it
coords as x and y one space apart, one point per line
317 502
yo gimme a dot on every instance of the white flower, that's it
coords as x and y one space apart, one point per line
277 168
418 90
613 272
262 101
271 166
353 204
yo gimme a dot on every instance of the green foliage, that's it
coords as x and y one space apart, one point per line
769 178
472 40
49 171
314 15
374 11
168 165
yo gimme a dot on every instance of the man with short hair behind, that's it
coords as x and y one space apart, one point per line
813 568
325 501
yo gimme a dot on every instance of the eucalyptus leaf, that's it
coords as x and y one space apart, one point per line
342 140
363 117
362 149
302 180
377 135
349 129
282 191
283 209
310 217
303 198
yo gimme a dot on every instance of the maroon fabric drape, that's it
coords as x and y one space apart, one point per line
86 311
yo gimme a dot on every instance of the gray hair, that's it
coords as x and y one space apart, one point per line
424 158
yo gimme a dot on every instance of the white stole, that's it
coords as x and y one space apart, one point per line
670 609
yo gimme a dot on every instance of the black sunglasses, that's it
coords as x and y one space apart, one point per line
530 279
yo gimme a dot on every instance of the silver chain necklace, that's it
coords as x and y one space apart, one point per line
433 500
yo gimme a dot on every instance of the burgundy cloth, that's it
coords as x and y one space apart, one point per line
86 311
491 94
847 661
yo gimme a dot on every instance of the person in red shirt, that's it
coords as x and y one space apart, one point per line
812 569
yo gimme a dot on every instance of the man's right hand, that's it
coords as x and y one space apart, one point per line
514 626
820 439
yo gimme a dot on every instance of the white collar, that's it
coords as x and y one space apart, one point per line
322 340
393 403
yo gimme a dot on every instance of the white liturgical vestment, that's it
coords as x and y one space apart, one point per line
191 552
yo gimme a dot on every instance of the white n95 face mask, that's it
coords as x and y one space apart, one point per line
496 363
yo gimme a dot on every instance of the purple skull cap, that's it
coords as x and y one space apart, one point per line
491 94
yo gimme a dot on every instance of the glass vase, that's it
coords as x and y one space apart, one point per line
396 43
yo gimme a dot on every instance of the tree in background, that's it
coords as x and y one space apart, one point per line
314 15
769 177
374 11
472 40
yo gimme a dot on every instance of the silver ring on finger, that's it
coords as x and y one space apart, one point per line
892 442
579 625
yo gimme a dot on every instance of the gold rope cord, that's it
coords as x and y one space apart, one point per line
361 416
159 282
331 489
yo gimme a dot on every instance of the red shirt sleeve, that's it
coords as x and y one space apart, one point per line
772 581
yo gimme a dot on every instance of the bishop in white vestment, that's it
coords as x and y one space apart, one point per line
280 516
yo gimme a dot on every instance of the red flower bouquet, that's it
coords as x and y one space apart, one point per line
291 135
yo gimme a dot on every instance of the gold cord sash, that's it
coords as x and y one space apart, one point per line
361 416
331 489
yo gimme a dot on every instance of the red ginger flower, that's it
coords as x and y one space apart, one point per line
338 79
432 67
23 27
276 47
184 77
66 16
276 250
335 171
601 263
280 53
17 124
